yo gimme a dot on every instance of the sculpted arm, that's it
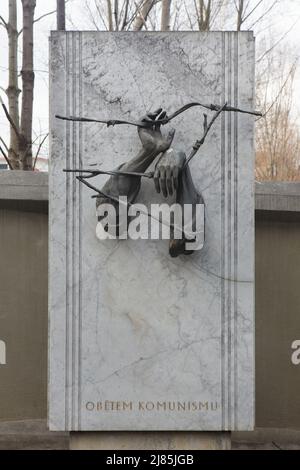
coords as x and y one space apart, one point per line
153 143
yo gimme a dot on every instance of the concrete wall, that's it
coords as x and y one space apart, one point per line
277 319
23 299
23 295
277 304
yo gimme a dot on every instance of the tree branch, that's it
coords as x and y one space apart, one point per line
143 10
10 120
264 14
142 20
3 22
292 70
38 150
6 158
3 142
251 11
125 21
277 42
3 89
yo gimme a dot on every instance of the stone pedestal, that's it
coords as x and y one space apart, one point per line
150 441
139 340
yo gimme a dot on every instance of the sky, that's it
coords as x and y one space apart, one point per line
283 24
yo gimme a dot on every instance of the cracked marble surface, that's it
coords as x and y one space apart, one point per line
127 322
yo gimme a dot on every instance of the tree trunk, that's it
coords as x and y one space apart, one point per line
165 15
144 10
13 89
28 84
109 15
204 15
240 13
208 16
61 15
116 14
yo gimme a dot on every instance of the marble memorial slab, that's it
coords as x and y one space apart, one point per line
139 340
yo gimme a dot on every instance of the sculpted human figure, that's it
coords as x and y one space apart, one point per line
172 173
153 144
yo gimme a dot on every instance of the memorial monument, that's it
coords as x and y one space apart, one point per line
140 340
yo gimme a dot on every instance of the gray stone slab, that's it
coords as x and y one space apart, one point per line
267 439
173 338
23 185
29 434
277 196
115 440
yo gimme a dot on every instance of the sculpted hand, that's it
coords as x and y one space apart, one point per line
151 137
153 143
167 172
186 195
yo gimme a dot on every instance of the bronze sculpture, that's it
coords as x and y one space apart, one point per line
172 172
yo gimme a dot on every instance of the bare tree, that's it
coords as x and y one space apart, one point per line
27 73
223 14
203 14
12 90
143 11
278 136
19 152
247 10
120 15
203 11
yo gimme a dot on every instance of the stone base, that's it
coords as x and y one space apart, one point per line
267 439
31 434
121 440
